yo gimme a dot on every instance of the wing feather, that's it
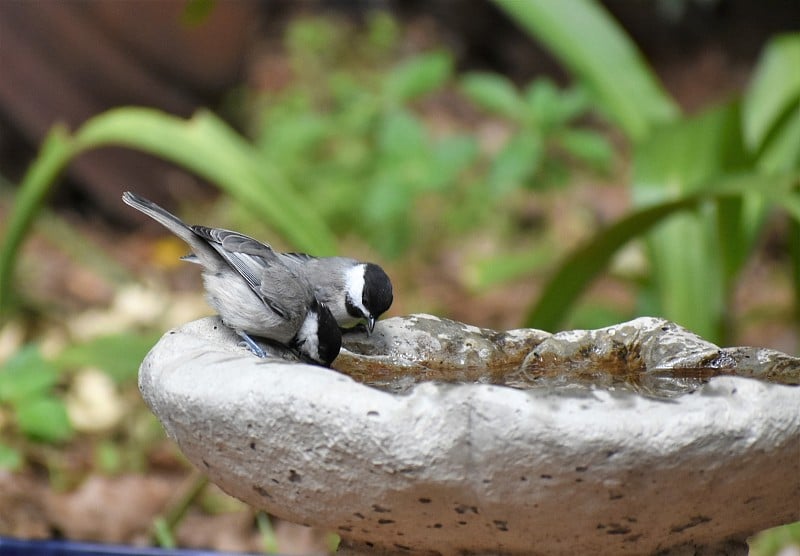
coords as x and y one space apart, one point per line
249 258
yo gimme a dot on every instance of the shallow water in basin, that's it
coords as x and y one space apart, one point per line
663 384
651 357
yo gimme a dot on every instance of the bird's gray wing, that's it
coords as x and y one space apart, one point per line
299 257
250 259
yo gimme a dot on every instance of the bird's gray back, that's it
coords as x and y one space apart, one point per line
286 293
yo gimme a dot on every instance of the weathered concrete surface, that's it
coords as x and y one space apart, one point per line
479 467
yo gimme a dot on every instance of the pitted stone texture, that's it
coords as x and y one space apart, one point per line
479 468
433 348
650 345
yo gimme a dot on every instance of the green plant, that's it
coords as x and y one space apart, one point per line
348 132
32 406
593 46
28 398
345 135
544 142
118 355
776 541
695 254
343 149
364 161
203 144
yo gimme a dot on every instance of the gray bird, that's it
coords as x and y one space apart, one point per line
353 290
253 290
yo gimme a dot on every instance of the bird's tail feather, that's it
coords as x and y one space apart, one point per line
205 253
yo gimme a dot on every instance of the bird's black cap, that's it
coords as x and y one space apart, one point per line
377 296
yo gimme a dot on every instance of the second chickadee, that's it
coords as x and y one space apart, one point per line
253 290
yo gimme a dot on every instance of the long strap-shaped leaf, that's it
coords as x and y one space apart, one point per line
581 267
203 144
586 39
208 147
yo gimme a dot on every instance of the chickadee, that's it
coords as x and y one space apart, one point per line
253 290
353 290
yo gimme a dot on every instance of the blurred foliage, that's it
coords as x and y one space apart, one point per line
350 135
776 541
28 398
544 145
598 52
695 256
118 355
33 387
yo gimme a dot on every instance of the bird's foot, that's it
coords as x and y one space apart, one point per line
251 344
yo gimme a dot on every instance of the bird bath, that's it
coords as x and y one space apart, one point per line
448 439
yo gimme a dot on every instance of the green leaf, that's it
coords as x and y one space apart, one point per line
550 107
163 534
581 266
451 156
541 97
586 39
587 146
388 198
683 156
383 31
573 102
293 136
401 135
693 267
54 154
592 315
494 93
516 163
585 263
791 204
108 457
10 459
505 267
118 355
44 419
310 37
26 375
775 541
775 87
419 76
781 151
387 205
794 258
269 541
210 148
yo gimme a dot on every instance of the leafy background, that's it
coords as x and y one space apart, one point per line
547 201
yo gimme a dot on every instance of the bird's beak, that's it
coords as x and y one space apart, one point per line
370 324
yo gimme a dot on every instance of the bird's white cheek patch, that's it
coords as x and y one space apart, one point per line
355 287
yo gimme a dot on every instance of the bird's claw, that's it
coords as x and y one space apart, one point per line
249 343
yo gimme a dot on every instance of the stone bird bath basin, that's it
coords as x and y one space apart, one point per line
634 439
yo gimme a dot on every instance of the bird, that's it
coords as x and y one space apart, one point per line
355 291
253 290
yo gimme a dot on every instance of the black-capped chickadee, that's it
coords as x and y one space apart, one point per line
253 290
353 290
